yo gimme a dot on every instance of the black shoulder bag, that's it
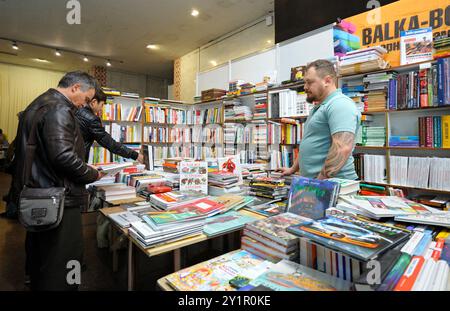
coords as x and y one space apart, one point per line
40 209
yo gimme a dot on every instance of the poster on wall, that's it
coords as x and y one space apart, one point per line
384 25
416 46
194 177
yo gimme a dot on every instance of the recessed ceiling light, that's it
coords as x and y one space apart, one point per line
57 53
86 59
15 46
41 60
269 41
195 13
213 62
108 63
152 47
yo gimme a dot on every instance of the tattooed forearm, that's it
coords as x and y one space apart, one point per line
340 150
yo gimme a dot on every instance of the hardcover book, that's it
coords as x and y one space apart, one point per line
310 197
226 222
359 238
290 276
215 274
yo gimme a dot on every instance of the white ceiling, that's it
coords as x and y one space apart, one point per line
120 30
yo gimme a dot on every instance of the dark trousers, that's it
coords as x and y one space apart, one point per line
49 252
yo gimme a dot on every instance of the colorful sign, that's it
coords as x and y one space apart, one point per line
383 26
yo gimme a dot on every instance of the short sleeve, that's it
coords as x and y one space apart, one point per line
343 116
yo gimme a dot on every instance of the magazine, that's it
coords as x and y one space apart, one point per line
416 46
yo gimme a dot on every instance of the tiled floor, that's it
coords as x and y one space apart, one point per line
99 274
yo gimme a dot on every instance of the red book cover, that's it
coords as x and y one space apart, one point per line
423 76
438 249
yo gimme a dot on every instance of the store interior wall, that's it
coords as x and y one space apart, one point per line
19 86
254 37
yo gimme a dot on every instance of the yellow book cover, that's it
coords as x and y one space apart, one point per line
446 131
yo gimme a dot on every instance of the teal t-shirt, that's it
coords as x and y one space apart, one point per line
336 114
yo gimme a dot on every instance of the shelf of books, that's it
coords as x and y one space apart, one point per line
406 117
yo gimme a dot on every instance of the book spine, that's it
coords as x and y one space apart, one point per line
435 132
440 81
421 133
423 81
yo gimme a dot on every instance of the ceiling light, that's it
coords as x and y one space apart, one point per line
86 59
152 47
269 41
57 53
14 46
213 62
108 63
40 60
195 13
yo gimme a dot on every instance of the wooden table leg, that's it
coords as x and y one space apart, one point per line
130 266
177 259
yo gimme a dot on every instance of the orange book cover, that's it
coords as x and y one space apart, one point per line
408 279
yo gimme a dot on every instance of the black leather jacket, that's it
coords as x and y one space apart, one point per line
58 160
92 129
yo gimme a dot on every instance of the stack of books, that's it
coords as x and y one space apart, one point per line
373 136
235 111
268 238
171 165
222 183
115 192
363 60
404 141
267 207
441 46
164 201
260 107
380 87
234 87
251 171
147 234
267 187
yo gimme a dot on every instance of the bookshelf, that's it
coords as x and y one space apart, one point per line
407 122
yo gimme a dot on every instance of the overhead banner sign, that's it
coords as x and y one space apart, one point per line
383 25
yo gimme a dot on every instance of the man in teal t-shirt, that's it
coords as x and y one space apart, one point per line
329 133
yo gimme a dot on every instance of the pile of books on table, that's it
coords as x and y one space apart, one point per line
267 187
164 201
115 192
269 239
177 222
221 182
244 271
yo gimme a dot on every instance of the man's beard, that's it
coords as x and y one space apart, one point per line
311 98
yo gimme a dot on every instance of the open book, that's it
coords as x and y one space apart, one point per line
113 169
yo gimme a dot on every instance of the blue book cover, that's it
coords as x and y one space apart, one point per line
359 238
311 197
226 222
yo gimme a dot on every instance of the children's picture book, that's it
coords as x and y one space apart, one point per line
232 164
416 46
310 197
215 274
290 276
194 176
359 238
